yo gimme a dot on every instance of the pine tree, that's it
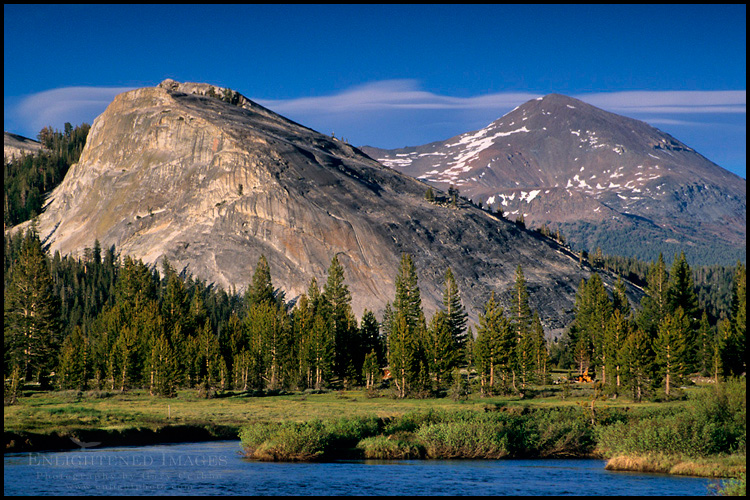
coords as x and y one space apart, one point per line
261 289
592 312
671 347
441 348
402 354
493 346
469 349
369 332
74 369
654 304
31 313
321 343
681 294
704 346
637 358
539 349
620 298
302 319
734 332
370 369
348 349
520 320
207 360
322 350
617 331
406 353
163 368
681 290
454 309
175 304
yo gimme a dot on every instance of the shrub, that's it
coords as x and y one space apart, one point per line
558 432
253 435
714 424
292 442
306 441
390 448
348 431
464 440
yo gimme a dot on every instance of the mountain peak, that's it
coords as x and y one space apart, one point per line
176 171
584 166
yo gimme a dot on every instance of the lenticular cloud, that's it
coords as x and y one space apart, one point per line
393 94
68 104
668 101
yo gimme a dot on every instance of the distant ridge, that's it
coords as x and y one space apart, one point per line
15 145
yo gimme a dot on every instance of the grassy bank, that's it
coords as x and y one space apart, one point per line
44 420
707 437
77 438
45 413
718 466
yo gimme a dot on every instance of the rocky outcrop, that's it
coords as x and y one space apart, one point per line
175 172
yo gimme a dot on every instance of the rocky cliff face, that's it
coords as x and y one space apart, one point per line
173 172
603 178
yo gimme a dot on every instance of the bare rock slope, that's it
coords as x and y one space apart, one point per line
174 171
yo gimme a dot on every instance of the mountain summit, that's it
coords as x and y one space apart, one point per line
604 179
211 180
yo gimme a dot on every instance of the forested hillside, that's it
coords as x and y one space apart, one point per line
27 179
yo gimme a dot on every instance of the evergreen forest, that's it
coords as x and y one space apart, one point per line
111 322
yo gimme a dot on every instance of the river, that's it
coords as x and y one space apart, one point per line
217 468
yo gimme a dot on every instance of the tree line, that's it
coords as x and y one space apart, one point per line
106 322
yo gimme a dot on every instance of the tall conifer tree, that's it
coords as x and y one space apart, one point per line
654 305
31 312
520 320
454 309
493 346
671 347
406 353
348 351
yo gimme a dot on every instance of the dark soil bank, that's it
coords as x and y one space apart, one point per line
87 438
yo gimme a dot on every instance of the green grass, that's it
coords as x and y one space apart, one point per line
54 411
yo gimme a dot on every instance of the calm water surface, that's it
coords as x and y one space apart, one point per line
216 468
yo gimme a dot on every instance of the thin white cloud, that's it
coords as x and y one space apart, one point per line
57 106
670 102
405 94
392 94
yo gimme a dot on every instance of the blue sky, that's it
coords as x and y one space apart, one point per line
392 75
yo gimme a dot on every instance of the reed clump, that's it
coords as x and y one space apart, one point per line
465 440
306 441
